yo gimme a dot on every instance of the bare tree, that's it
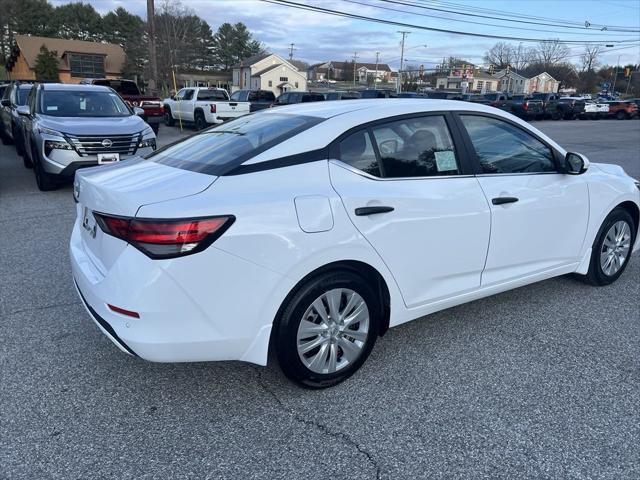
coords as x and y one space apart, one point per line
522 56
589 59
500 55
551 52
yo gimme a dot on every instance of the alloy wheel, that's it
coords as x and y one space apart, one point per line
333 331
615 248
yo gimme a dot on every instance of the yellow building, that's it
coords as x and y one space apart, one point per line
77 59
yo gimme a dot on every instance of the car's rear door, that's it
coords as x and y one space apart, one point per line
539 215
407 188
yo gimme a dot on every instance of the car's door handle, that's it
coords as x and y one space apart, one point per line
503 200
363 211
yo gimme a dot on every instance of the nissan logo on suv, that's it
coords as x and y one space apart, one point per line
106 143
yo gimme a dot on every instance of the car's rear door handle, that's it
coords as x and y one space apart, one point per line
363 211
503 200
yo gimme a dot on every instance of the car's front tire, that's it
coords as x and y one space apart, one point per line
45 181
327 329
168 117
611 249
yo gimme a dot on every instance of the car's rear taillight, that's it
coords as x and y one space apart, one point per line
213 108
166 238
525 105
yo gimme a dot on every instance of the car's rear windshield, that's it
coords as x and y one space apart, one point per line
122 87
212 95
21 95
220 149
82 103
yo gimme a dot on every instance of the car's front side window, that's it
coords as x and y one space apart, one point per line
412 147
504 148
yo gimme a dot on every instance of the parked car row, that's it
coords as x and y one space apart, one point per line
203 107
59 128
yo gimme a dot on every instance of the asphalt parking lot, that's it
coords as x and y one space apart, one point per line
540 382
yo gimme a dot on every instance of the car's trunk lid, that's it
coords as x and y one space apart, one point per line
120 190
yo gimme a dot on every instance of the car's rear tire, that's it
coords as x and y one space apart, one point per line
611 249
45 181
621 115
199 120
314 348
168 117
17 139
557 115
4 137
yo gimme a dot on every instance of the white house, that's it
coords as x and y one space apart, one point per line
543 82
268 72
510 81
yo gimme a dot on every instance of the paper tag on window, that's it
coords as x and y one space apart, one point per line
446 161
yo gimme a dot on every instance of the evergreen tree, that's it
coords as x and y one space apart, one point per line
232 43
128 31
46 67
79 21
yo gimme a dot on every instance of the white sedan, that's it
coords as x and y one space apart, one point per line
312 229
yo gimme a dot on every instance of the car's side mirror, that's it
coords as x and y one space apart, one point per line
138 111
575 163
6 102
23 110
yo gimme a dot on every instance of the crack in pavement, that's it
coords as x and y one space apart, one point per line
45 307
319 426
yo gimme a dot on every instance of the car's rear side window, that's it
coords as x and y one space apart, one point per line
411 147
220 149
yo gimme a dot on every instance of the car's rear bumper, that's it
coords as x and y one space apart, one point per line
203 307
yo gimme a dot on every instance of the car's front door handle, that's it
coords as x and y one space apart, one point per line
363 211
503 200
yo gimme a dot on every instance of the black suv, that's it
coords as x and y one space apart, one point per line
289 98
549 105
260 99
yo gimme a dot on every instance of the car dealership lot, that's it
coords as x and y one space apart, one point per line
540 382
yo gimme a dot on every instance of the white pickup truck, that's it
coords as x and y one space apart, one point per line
202 106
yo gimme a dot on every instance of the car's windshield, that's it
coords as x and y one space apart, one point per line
82 103
222 148
21 95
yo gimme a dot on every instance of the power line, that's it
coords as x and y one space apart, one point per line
493 17
339 13
475 23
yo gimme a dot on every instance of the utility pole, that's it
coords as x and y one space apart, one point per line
153 62
291 45
615 77
355 65
404 34
375 79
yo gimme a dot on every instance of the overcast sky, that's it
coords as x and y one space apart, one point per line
320 37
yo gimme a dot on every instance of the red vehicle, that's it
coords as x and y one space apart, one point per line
622 110
131 94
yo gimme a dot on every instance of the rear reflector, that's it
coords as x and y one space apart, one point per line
166 238
122 311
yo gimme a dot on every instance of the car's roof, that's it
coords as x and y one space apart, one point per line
378 107
74 87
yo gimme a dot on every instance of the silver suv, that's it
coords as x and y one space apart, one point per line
67 127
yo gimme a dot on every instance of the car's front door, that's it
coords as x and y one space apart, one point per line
407 189
539 215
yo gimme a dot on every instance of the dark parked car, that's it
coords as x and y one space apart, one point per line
571 107
259 99
549 105
289 98
520 105
10 122
372 93
472 97
131 94
342 95
622 110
